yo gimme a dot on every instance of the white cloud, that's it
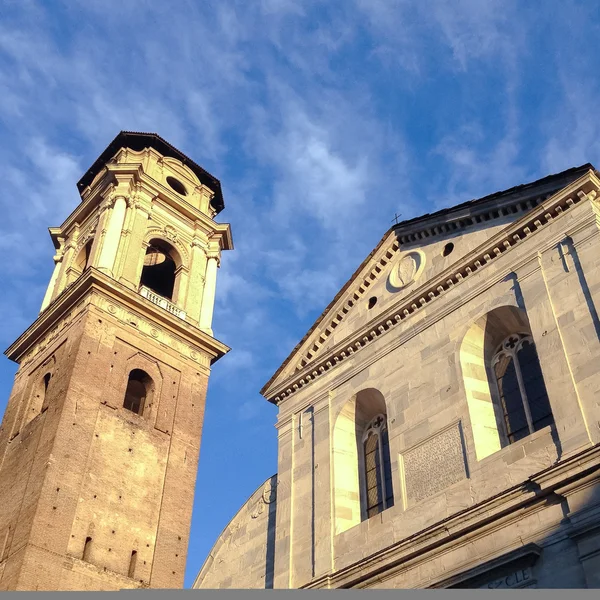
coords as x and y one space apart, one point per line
321 119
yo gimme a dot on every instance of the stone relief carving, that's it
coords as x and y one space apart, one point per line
407 270
268 496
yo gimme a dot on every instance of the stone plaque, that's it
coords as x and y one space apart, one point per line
518 579
434 464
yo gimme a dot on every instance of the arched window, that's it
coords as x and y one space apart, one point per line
503 380
377 493
138 392
362 474
83 258
521 389
159 271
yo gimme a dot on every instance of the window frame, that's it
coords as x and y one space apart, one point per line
505 349
377 429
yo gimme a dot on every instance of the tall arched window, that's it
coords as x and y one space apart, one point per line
521 389
376 477
503 381
159 271
138 392
362 474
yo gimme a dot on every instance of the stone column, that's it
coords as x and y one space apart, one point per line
539 301
285 508
69 251
322 492
302 534
208 296
198 268
133 262
50 291
110 245
571 270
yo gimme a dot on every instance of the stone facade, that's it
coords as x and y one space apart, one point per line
96 491
410 342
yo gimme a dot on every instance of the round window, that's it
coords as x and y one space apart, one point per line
177 185
448 249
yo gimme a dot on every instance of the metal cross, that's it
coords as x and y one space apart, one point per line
396 217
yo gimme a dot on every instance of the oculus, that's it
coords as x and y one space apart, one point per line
177 186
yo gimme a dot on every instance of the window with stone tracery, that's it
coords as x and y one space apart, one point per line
377 493
524 403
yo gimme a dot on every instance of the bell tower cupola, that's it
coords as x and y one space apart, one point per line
100 441
146 221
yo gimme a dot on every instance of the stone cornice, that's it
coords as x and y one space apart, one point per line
141 182
477 259
527 497
93 280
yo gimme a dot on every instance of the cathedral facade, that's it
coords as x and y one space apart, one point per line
439 425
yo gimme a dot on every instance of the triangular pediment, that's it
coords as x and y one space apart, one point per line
409 257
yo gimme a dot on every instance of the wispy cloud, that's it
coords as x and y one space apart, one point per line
321 119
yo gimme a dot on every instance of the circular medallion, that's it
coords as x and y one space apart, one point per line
407 270
154 333
112 309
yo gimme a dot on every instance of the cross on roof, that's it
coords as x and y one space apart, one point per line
396 217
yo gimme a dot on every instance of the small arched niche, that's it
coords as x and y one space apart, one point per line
38 397
361 460
138 393
504 386
160 270
83 259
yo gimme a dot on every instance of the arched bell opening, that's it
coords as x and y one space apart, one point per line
159 272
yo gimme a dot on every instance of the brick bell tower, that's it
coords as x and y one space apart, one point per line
100 441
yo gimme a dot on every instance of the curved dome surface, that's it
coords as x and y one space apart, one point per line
244 553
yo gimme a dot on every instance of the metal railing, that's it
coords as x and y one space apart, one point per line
162 302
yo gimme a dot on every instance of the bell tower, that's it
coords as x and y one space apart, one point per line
100 440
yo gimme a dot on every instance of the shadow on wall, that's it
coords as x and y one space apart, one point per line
270 546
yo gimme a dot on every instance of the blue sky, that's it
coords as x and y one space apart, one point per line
321 119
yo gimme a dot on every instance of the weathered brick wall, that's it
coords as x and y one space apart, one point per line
88 468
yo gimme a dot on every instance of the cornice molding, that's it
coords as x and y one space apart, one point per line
116 293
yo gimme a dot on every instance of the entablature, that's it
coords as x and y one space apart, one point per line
96 287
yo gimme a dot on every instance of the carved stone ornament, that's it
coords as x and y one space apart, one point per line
269 493
407 270
170 232
269 496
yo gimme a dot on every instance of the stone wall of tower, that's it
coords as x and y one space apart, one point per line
88 468
27 451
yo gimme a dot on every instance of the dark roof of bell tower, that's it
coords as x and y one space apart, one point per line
139 141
